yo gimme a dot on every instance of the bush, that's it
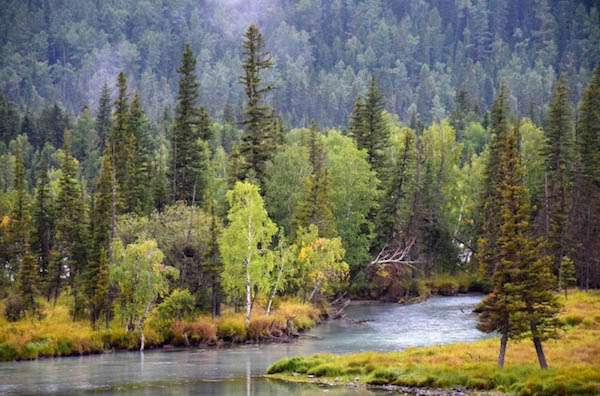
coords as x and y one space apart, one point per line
13 308
232 328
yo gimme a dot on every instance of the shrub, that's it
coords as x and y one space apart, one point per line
232 328
13 308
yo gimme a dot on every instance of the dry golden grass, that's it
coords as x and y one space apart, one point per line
574 361
57 335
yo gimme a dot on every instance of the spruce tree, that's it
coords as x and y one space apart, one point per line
256 146
316 207
141 197
27 281
489 210
585 219
103 117
20 217
44 216
122 144
189 149
559 156
368 127
522 302
71 231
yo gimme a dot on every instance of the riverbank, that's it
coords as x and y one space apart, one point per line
57 335
574 360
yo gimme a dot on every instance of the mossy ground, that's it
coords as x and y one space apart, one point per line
57 335
574 360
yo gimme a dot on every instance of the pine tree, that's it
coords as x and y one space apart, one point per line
141 198
103 117
256 147
44 216
189 149
522 301
27 281
559 155
489 212
585 219
368 127
71 230
316 207
567 276
396 201
122 145
98 284
20 217
236 166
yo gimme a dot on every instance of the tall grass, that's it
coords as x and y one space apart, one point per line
57 335
574 361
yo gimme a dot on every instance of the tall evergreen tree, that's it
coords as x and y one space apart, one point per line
256 146
369 129
141 196
188 145
122 144
559 155
522 301
71 231
489 210
27 281
20 217
103 117
44 216
585 218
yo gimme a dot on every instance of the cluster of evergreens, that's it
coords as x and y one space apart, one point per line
122 212
422 52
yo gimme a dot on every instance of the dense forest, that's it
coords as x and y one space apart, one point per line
157 160
422 52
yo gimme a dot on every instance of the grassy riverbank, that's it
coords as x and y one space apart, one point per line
57 335
574 361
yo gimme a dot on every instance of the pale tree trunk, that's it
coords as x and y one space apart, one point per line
248 292
141 326
274 291
314 291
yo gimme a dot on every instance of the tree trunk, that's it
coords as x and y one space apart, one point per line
502 353
537 343
141 325
248 292
314 291
216 297
274 291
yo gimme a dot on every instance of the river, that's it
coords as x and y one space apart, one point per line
237 370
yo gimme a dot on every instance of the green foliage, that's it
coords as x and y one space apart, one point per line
141 277
179 305
244 245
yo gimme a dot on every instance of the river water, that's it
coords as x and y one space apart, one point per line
237 370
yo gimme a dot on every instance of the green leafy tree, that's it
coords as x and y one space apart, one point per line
353 195
244 245
257 143
316 207
321 264
141 278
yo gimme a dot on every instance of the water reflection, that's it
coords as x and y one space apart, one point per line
236 371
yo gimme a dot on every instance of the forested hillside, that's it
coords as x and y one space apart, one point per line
422 51
160 163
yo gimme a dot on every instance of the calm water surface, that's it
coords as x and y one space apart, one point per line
237 370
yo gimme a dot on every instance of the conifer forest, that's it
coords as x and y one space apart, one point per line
201 174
